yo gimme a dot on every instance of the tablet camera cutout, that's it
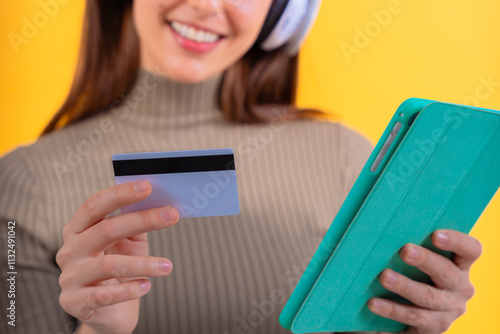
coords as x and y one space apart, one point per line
385 148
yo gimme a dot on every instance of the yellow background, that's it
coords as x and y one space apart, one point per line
441 50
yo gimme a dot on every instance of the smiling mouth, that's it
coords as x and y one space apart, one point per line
194 34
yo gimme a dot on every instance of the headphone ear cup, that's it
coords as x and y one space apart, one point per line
296 40
272 18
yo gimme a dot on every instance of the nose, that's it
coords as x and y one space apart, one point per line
206 7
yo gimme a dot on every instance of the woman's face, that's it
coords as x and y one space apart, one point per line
192 40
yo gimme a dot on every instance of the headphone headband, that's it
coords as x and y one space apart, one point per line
292 16
273 15
288 22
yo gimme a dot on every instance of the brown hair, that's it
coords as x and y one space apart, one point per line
109 59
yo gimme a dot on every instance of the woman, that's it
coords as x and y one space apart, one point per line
159 75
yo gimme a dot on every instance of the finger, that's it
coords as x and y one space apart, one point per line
109 231
466 248
84 302
418 293
115 266
102 203
443 272
424 320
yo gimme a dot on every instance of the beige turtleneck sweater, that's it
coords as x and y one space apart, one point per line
292 178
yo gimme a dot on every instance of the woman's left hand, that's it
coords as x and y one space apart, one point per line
438 305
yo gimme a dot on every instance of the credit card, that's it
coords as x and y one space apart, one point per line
198 183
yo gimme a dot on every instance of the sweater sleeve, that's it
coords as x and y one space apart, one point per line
29 273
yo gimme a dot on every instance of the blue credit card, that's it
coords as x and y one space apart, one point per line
198 183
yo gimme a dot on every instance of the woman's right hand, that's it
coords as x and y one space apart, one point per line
105 261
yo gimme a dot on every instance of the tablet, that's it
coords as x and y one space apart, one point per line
437 165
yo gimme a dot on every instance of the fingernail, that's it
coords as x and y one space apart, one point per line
165 265
141 186
442 237
169 214
145 285
377 304
391 278
413 252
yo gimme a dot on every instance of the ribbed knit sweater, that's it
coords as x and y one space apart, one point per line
228 271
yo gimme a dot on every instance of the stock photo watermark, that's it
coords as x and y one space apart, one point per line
201 198
11 273
74 155
364 35
30 26
483 91
263 309
247 150
452 120
94 138
252 145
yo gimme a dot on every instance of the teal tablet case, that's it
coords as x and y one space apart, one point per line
441 171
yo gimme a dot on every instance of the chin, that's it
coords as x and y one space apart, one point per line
189 73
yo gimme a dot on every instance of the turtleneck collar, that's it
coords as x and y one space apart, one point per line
155 100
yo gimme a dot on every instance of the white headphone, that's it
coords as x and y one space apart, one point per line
288 22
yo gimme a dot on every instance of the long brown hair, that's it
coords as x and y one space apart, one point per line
109 59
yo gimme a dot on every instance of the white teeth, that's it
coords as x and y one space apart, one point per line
200 36
184 30
190 33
